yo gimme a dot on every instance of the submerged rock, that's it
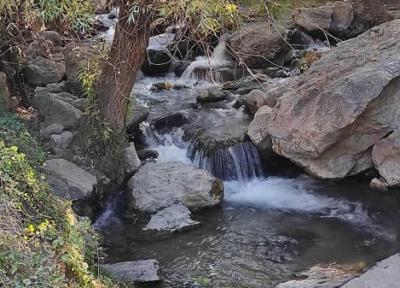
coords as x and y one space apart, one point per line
134 271
212 95
328 119
171 219
159 185
68 180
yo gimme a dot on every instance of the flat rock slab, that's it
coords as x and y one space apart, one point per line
134 271
385 274
68 180
171 219
159 185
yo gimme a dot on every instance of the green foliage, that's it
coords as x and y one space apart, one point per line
42 243
72 15
13 132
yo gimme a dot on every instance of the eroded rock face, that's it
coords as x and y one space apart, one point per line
134 271
131 160
159 185
386 157
68 180
328 119
258 45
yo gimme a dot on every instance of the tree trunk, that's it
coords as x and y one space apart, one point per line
126 57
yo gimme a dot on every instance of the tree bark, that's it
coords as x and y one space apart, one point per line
126 58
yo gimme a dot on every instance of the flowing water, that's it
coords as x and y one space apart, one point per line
271 224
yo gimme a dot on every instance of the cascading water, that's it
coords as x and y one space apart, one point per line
209 68
238 162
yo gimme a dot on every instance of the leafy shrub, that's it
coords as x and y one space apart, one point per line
42 243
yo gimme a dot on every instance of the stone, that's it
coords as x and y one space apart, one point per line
386 158
170 120
385 274
159 185
131 160
321 277
146 154
68 180
258 133
314 20
55 109
159 58
138 115
253 101
134 271
212 95
328 119
174 218
61 142
258 45
42 71
342 16
379 185
52 36
51 129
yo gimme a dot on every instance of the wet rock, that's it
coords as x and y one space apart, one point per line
320 277
54 128
386 157
342 16
68 180
61 142
146 154
41 71
159 185
384 274
212 95
171 219
138 115
168 86
131 160
134 271
55 109
327 119
159 59
259 45
314 20
254 100
258 133
173 119
378 184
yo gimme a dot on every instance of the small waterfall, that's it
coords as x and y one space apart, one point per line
110 213
241 161
213 68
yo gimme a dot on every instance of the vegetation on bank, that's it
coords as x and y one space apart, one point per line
42 242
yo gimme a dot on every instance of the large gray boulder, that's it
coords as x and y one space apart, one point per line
314 20
56 108
328 119
386 157
132 272
159 185
259 45
68 180
41 71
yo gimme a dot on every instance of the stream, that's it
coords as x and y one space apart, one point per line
272 224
